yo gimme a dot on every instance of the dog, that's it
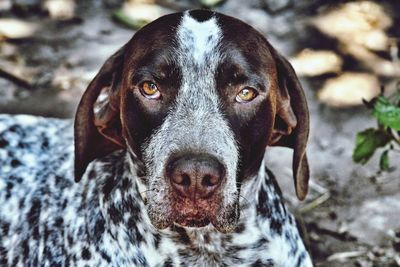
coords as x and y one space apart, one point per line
167 155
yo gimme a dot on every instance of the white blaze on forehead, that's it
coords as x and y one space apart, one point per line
195 122
198 38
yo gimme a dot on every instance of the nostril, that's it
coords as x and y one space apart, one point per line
209 180
183 179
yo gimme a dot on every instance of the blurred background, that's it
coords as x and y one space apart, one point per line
343 51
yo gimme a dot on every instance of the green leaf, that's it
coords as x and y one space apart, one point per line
367 142
384 161
386 113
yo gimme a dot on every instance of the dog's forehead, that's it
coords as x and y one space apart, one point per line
198 37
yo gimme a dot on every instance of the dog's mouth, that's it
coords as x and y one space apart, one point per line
192 222
196 216
189 214
166 209
224 221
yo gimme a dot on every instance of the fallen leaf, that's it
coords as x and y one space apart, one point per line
316 62
16 29
60 9
349 89
211 3
136 15
361 22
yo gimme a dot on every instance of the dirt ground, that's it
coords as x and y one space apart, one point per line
352 213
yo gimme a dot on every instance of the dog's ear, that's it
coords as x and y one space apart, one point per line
292 122
97 120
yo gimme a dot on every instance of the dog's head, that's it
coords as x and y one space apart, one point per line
197 96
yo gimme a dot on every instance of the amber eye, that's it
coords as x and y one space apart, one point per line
150 90
246 95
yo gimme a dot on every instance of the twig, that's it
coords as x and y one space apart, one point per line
343 236
397 259
15 79
395 136
317 187
340 256
315 203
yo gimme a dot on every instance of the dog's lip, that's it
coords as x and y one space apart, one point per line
192 217
193 222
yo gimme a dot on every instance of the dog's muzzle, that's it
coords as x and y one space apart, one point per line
195 180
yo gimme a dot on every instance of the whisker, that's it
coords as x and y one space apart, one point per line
147 190
248 202
147 176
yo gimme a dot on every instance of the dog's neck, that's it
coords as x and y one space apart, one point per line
265 200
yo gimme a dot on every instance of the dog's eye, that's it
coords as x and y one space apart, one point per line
150 90
246 95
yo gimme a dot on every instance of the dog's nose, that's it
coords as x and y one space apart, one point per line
195 176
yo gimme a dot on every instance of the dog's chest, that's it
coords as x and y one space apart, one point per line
250 247
215 249
253 244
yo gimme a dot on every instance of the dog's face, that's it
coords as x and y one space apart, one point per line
197 96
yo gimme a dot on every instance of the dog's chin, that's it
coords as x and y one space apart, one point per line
223 227
199 223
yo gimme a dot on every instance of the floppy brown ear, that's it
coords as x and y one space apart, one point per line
292 122
97 121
